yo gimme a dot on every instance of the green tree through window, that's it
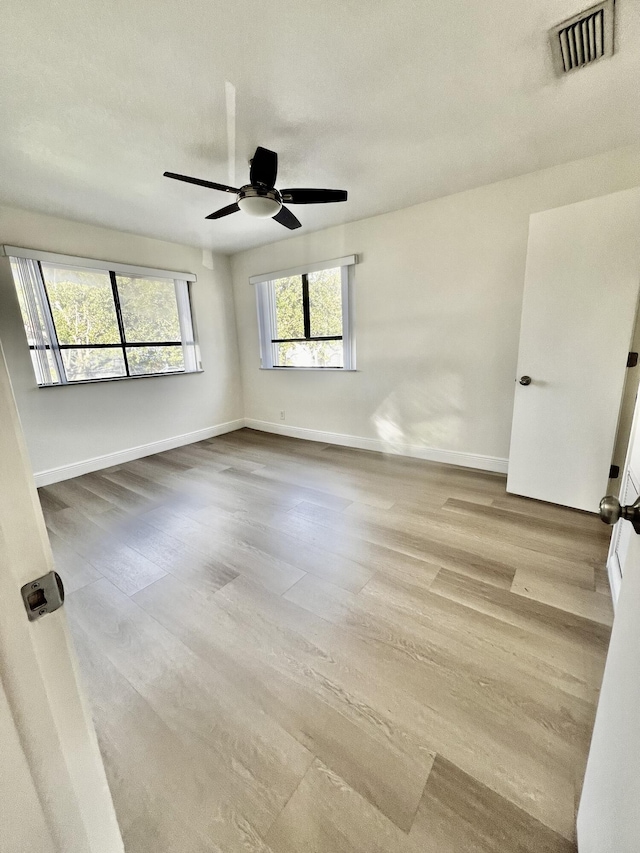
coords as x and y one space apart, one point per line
322 318
84 313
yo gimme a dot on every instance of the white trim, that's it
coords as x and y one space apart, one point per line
614 570
432 454
348 338
86 466
306 268
614 573
93 263
298 369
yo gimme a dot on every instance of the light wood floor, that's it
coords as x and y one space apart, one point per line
295 647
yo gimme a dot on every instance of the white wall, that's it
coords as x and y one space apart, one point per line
437 316
66 425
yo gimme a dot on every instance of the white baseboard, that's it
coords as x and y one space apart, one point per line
96 463
432 454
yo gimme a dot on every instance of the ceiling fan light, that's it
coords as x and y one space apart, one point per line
261 207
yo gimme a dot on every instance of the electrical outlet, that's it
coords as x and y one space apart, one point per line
282 415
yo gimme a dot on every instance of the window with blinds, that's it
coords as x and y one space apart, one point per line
87 324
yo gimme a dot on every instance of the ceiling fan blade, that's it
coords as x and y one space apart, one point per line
224 211
286 218
312 196
199 182
264 167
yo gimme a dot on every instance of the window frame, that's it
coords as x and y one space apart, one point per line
267 316
184 309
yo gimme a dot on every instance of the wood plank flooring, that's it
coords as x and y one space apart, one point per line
291 646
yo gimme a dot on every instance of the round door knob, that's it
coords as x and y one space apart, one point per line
525 380
610 509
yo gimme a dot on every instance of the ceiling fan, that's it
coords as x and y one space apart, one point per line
259 197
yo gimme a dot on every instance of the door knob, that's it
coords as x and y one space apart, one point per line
611 511
525 380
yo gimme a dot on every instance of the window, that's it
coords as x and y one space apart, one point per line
304 317
86 323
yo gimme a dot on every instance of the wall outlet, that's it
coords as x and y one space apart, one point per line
282 415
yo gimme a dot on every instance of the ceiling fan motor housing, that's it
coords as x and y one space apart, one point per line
259 201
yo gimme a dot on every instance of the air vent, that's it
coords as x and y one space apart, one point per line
583 39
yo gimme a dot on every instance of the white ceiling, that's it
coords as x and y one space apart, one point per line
397 101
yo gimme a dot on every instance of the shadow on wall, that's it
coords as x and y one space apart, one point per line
423 412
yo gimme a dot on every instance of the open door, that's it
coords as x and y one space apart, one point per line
52 782
579 307
609 817
623 533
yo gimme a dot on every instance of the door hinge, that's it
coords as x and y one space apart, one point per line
43 595
614 472
632 359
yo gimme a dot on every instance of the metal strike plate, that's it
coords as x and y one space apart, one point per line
43 595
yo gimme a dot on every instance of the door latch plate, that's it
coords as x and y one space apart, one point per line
43 595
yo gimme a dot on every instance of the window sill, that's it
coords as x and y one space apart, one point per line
313 369
120 379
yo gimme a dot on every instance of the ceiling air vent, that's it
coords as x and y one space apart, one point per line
584 38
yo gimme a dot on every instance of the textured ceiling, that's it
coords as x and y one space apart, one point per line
397 101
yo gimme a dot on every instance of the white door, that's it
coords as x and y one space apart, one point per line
623 532
53 790
580 296
609 814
